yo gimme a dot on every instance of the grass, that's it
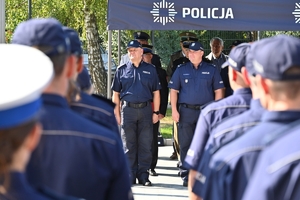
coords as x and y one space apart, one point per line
166 125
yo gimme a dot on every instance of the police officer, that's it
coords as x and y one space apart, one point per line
277 76
72 148
20 130
164 91
142 38
99 110
84 81
135 85
197 84
178 58
218 58
213 113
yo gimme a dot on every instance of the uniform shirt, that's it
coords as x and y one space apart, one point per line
227 131
97 109
196 86
19 189
276 174
232 166
211 115
76 156
164 91
136 84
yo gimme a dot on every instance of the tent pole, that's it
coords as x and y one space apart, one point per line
2 21
119 46
109 65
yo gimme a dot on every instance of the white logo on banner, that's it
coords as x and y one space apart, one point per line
296 13
157 6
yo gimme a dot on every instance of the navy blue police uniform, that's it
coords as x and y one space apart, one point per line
215 112
164 93
136 86
18 111
75 156
276 174
231 167
99 110
196 87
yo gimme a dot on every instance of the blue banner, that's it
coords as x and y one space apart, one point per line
232 15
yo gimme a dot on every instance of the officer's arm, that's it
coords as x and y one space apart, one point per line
116 100
219 94
156 103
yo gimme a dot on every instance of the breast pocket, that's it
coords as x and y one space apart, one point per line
126 81
186 80
147 80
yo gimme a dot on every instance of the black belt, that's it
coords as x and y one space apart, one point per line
135 105
195 107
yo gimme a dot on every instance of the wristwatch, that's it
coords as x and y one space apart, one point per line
156 112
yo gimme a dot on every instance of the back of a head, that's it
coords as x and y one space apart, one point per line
48 36
84 80
20 100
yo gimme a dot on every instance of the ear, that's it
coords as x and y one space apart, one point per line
33 138
79 64
263 84
245 76
71 66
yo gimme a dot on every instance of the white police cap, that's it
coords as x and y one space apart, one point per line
24 73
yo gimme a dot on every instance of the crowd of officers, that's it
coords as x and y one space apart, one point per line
236 118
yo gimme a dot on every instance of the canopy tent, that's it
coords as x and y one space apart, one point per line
233 15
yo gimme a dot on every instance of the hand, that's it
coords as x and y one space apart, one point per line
118 118
154 118
175 115
160 116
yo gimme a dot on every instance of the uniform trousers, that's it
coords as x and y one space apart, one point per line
186 128
136 133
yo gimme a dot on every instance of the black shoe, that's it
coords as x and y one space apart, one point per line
179 173
173 156
145 182
185 183
152 172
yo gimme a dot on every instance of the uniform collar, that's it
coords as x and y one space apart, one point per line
56 100
281 116
242 91
255 104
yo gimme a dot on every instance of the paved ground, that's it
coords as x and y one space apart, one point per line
167 185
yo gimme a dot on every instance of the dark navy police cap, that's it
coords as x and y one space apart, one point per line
249 61
196 46
141 36
75 42
22 106
44 33
272 57
147 48
84 80
134 44
235 43
237 57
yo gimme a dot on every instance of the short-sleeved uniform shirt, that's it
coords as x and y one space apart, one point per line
232 166
196 86
211 115
136 84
